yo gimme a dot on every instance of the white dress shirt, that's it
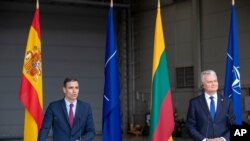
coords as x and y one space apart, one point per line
68 107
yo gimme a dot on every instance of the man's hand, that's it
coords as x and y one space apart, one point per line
216 139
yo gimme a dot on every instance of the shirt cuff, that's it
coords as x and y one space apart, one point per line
205 139
223 138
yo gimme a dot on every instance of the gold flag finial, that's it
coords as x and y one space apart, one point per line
159 4
232 2
111 3
37 4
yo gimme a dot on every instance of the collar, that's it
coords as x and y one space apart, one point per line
68 103
215 95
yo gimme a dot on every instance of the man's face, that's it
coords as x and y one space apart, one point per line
71 90
210 84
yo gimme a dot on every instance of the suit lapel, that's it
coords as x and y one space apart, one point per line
65 113
219 106
78 108
203 104
76 123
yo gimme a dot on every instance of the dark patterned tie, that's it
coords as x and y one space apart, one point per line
71 115
212 107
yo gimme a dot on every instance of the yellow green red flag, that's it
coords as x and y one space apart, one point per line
162 117
30 93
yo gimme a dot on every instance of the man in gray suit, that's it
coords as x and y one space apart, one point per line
70 118
210 114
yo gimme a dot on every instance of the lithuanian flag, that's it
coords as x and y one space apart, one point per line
162 117
30 93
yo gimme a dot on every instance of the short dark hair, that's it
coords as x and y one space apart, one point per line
68 79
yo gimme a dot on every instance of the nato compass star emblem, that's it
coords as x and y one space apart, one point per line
236 82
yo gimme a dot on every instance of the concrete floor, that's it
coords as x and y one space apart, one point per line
141 138
124 138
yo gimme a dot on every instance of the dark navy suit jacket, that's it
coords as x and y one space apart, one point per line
56 116
199 123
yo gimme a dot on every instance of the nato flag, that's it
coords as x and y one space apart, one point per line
232 87
111 126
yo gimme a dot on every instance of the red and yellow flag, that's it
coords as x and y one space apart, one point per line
30 93
162 116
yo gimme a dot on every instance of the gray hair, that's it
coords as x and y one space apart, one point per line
207 72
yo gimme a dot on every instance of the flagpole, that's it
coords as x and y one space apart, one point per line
161 114
31 88
111 122
37 4
232 86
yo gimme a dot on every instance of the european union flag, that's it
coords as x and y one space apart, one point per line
232 86
111 126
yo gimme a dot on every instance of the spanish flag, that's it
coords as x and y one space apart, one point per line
30 93
162 117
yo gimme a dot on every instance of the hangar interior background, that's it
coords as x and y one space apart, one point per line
73 34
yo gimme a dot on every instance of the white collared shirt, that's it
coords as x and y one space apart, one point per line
73 108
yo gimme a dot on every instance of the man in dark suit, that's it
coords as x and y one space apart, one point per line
70 118
209 118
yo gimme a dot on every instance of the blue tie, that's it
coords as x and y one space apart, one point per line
212 107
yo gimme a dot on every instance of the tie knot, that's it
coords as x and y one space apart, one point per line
211 97
71 105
